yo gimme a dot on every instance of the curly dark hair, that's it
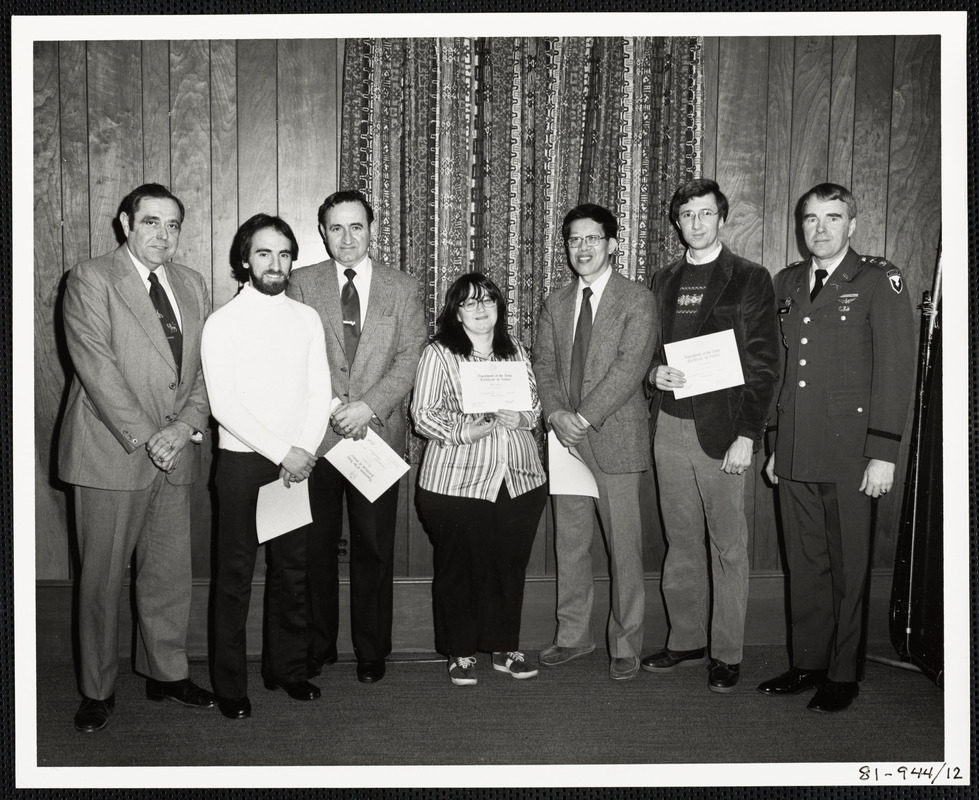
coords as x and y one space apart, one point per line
449 331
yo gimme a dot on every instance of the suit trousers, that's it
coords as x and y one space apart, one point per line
372 528
693 490
482 549
153 523
618 514
828 544
238 478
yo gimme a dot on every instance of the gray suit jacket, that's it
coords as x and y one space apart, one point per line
125 386
392 337
623 340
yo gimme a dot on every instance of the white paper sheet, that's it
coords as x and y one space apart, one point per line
488 386
567 473
708 363
368 463
281 509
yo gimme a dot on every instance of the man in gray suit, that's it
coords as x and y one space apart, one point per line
375 332
595 342
135 411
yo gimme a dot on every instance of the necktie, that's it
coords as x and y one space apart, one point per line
582 335
820 277
350 307
168 320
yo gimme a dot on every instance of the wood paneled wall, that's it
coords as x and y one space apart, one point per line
783 114
237 127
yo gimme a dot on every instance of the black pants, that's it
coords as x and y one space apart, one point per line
238 479
828 545
371 566
481 555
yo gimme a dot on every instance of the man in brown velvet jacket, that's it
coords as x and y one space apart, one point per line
704 443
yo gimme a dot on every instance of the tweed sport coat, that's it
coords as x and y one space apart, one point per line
623 340
393 335
125 386
739 296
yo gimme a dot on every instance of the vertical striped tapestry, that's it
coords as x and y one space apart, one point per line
472 150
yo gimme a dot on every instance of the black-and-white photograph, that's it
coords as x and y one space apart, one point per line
454 407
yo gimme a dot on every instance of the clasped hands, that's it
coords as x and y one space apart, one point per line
296 466
350 420
485 424
164 446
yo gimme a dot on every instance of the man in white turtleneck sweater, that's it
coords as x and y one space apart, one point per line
267 374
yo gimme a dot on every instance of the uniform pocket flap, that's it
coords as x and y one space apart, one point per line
848 402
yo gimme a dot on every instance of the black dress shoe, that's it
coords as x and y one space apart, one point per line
834 696
93 715
667 660
235 707
722 677
297 690
793 682
186 692
370 671
315 663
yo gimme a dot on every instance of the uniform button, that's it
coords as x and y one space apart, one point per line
859 409
134 441
802 362
168 418
343 369
173 386
805 320
843 316
802 383
805 340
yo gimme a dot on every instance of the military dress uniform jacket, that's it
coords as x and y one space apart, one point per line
848 376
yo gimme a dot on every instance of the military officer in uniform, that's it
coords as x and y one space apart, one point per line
847 331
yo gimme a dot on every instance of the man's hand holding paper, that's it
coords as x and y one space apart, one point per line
701 364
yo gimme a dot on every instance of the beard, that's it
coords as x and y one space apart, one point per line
271 287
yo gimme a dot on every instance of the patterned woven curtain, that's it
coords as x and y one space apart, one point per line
472 150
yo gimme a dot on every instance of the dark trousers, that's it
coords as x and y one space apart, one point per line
481 555
827 548
371 566
238 479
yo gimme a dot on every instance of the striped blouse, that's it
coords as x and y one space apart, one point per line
454 466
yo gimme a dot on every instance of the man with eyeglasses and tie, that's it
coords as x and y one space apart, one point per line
375 331
847 331
704 443
128 444
595 342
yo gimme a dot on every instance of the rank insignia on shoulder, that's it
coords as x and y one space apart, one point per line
897 283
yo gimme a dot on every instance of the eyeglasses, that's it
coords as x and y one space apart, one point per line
704 215
472 304
591 240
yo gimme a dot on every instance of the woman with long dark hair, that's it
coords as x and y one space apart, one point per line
481 486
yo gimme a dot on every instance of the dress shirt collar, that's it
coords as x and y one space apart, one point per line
830 268
597 287
144 272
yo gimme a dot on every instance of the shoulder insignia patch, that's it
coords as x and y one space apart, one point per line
795 264
894 276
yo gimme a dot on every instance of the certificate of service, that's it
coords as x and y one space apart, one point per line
368 463
488 386
708 363
281 509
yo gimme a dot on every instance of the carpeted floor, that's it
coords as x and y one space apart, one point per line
572 714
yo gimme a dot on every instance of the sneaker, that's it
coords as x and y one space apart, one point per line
514 663
462 670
